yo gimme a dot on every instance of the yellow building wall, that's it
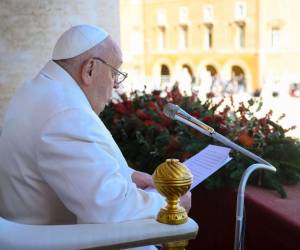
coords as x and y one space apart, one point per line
223 51
260 62
280 66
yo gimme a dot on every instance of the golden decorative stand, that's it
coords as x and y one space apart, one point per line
172 179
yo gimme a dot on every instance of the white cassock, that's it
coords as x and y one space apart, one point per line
59 164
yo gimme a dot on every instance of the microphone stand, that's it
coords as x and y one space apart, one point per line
239 223
205 129
262 164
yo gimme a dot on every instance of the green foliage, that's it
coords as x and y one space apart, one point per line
147 137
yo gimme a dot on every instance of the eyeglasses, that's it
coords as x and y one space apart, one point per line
117 75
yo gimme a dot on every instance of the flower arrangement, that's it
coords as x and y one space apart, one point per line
147 137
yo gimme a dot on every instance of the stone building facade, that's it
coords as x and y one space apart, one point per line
253 43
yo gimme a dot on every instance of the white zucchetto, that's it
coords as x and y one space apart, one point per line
78 40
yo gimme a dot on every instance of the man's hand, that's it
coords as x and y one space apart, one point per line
186 201
142 180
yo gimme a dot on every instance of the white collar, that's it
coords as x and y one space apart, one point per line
55 72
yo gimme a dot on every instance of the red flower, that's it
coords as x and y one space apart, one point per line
159 102
223 130
214 118
175 94
120 108
243 120
218 119
128 105
150 123
263 121
156 92
246 140
207 119
196 114
166 122
142 115
152 106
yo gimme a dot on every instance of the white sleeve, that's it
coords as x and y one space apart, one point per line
131 170
74 159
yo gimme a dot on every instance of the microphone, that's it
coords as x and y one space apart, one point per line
174 112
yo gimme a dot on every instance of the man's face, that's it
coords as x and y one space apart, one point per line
104 79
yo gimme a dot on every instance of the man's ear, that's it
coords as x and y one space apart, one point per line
87 71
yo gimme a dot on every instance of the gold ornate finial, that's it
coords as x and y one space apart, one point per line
172 179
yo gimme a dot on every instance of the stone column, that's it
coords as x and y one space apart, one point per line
30 28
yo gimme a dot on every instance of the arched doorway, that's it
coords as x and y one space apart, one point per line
213 71
189 70
216 85
164 73
186 79
238 77
238 71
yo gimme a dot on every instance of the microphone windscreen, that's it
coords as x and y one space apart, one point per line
170 110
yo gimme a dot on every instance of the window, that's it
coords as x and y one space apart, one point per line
161 17
275 38
208 42
240 36
161 37
183 36
208 14
240 10
183 15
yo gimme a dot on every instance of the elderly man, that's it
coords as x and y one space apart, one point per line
59 164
